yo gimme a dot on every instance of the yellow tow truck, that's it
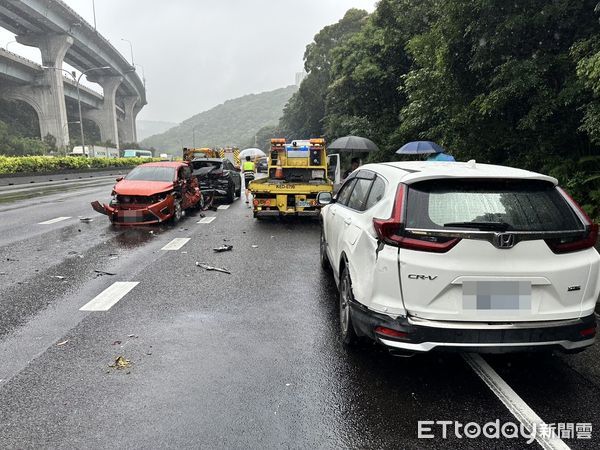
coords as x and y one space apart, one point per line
204 152
296 173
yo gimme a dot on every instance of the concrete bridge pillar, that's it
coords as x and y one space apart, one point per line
106 117
127 126
48 93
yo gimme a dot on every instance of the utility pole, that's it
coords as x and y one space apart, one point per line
94 9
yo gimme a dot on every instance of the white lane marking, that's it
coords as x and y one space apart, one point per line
515 404
207 219
176 244
51 221
223 206
110 296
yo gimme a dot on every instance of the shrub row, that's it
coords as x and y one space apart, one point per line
40 164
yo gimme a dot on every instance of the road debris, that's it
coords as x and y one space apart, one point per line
12 260
102 273
3 273
223 248
86 219
212 268
120 363
255 246
58 277
60 344
116 343
132 336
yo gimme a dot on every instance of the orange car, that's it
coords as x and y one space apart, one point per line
152 193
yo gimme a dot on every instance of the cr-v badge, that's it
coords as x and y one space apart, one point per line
413 276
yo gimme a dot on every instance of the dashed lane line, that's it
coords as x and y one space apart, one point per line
51 221
206 220
223 206
515 404
176 244
110 296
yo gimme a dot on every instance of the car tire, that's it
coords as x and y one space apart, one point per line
230 193
177 211
348 334
325 264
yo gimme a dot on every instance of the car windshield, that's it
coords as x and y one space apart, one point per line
514 205
152 173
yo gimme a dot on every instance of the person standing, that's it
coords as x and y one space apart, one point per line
354 164
249 169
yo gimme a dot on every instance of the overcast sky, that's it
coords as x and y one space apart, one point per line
199 53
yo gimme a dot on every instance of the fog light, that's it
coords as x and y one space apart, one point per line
391 333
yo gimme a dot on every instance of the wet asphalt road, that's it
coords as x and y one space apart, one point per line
250 359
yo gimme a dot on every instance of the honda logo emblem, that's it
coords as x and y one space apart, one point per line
504 240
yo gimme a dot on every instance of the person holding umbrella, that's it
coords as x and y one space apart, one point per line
434 151
249 169
354 164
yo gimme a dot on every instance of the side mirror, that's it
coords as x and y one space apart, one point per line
324 198
120 179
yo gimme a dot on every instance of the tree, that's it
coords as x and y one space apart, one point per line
303 115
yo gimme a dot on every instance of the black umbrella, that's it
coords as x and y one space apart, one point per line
353 144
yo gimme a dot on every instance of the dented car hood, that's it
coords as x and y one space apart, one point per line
142 188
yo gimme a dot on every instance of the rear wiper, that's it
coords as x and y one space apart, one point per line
494 226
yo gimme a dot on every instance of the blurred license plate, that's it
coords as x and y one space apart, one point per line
302 204
497 295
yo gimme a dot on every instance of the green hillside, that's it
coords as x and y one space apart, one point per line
235 122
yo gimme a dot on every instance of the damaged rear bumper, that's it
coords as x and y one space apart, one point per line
419 335
132 214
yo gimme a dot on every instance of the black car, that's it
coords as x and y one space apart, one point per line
220 174
262 165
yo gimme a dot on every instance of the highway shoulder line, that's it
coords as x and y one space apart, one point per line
51 221
110 296
176 244
515 404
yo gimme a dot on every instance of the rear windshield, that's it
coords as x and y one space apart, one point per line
200 164
152 173
518 205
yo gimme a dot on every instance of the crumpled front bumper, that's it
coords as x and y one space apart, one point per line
137 215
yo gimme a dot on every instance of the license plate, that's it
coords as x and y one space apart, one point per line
303 204
497 295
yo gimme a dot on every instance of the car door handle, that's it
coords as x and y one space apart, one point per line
347 221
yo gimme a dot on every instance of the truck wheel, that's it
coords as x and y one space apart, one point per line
238 191
230 193
349 337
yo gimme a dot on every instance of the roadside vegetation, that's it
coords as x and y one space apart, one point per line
35 164
514 83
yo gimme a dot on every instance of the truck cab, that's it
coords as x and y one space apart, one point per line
297 172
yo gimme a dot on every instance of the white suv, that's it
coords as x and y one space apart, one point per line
460 256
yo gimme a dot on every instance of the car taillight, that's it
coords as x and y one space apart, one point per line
569 245
388 230
255 202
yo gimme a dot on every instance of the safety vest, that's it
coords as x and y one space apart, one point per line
248 166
